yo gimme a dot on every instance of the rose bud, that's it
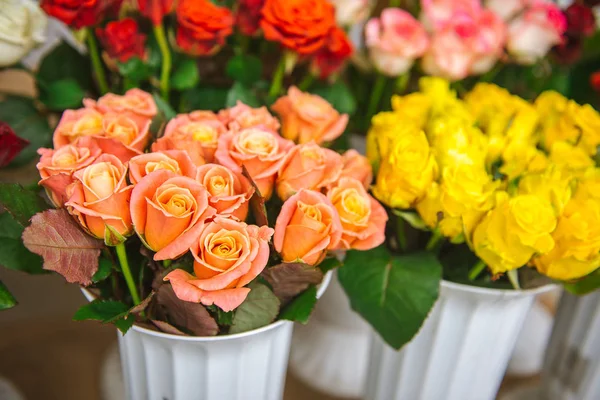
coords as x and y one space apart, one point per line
308 166
176 161
122 40
307 226
242 117
247 16
10 144
99 197
358 167
203 26
229 192
261 151
580 20
168 212
307 117
155 10
228 255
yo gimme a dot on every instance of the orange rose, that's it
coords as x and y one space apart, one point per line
242 117
168 212
306 228
228 255
358 167
197 133
308 166
307 117
177 161
261 151
135 103
75 124
363 218
229 192
56 167
100 197
302 26
202 26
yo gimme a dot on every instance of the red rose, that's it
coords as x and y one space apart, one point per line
247 17
595 81
580 20
122 39
203 26
569 51
302 26
79 13
10 144
332 56
155 10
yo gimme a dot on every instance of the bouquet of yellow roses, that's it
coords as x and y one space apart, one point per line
490 182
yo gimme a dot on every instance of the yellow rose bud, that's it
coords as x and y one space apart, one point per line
553 185
407 170
577 237
510 234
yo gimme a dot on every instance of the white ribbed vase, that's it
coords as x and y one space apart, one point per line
572 365
246 366
460 353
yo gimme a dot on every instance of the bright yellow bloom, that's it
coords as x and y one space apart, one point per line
519 157
414 106
570 157
455 142
587 119
553 184
588 185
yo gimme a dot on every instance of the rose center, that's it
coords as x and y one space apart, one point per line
310 211
169 165
225 247
176 201
355 204
258 143
218 186
123 130
203 133
102 179
87 126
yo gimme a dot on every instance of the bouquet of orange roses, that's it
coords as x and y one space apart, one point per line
221 212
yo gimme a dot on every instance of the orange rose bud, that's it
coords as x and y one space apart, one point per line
281 23
203 26
100 197
307 117
155 10
307 226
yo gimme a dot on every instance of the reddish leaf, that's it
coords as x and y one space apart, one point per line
290 279
168 328
63 245
10 144
192 317
257 202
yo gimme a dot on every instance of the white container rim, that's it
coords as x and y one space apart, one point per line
321 289
498 292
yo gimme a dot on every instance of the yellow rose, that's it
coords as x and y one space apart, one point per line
430 207
556 119
455 142
552 184
577 237
570 157
466 187
384 126
511 233
407 170
521 157
588 121
414 106
588 185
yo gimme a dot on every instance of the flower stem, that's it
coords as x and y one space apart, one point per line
402 82
277 79
476 270
122 255
513 277
400 233
165 72
96 62
434 240
167 263
376 95
306 82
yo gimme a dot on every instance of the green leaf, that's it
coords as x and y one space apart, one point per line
13 254
186 75
246 69
104 269
339 95
21 203
301 307
64 62
164 107
22 116
7 300
205 98
222 317
240 92
412 218
585 285
329 263
259 309
106 311
61 95
134 69
393 293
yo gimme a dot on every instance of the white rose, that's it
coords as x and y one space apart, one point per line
351 12
22 27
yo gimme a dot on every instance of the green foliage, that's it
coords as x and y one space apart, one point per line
585 285
393 293
106 311
339 95
21 203
240 92
104 269
259 309
61 95
164 107
135 70
205 98
7 300
13 254
186 75
330 263
301 307
22 116
246 69
413 219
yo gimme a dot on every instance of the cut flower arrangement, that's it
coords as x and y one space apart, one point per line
489 191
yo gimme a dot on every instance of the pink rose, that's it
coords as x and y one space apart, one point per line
437 13
394 41
307 226
229 192
242 117
352 12
492 34
358 167
308 166
176 161
363 218
506 9
532 34
307 117
135 103
261 151
168 212
197 133
57 166
228 255
100 197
